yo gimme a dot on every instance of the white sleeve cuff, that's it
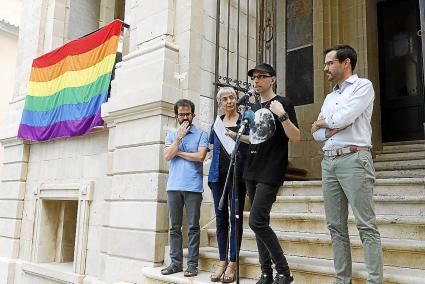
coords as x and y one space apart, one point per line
320 134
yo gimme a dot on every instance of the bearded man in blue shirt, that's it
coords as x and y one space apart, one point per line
185 149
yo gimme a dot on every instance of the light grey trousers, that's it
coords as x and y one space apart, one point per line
349 179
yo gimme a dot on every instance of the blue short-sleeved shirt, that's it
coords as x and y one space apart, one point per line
186 175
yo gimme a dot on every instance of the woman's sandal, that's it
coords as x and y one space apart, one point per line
219 270
229 275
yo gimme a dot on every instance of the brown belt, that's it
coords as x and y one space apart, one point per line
345 150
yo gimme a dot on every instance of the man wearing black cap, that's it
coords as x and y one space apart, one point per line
274 125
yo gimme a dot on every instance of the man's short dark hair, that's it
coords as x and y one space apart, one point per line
344 51
184 103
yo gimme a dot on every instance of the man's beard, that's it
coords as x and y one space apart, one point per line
331 77
190 122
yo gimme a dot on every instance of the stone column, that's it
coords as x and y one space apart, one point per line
12 192
358 26
372 72
140 109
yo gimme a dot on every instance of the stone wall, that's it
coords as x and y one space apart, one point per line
66 161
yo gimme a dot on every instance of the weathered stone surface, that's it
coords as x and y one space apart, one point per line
140 159
152 250
9 248
143 186
139 215
12 190
11 209
10 228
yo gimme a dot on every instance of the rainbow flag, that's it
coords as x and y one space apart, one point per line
68 85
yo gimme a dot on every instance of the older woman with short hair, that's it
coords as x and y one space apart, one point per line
226 269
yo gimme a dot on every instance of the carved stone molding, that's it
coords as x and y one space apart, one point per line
83 194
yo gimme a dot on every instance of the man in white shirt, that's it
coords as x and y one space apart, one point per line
347 167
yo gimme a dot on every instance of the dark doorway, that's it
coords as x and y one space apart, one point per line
401 70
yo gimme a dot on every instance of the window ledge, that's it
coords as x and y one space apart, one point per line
53 271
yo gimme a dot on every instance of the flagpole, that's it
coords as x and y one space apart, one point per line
124 24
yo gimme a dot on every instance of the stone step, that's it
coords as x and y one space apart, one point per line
402 148
390 226
295 171
399 165
384 205
408 142
411 173
311 270
399 156
390 186
154 276
399 253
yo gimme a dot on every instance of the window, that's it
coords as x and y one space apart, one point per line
61 229
83 17
58 225
299 51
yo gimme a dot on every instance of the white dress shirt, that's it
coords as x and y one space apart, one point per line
350 106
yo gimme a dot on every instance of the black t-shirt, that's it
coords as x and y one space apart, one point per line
267 158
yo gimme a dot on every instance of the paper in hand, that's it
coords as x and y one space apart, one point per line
220 130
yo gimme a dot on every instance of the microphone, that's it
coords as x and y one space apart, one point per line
244 99
247 118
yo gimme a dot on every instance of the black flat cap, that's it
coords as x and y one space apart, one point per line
263 67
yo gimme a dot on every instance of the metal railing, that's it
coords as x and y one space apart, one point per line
264 35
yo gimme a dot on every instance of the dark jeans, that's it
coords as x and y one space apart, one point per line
222 217
192 201
262 197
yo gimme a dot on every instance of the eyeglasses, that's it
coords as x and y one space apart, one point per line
260 77
182 114
329 63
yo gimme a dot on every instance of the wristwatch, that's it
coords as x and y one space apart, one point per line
283 117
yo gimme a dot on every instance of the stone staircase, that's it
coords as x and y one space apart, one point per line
299 221
401 159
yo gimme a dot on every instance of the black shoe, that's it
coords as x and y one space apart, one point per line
282 279
265 279
191 271
171 269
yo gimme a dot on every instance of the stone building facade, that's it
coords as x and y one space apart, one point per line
93 209
9 29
